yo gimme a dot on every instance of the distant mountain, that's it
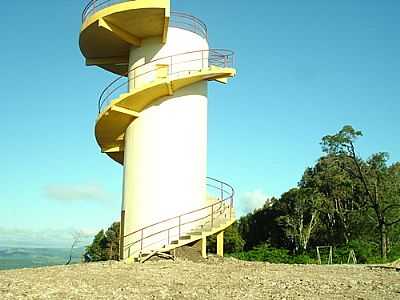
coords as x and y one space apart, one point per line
11 252
16 258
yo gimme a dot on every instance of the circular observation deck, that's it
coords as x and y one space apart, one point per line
110 28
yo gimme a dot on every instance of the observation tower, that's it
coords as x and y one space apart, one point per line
152 119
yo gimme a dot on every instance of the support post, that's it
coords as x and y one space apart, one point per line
204 247
220 244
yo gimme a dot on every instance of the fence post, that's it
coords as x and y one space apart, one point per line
168 237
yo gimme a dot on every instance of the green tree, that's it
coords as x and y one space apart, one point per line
263 226
340 203
105 245
379 182
304 206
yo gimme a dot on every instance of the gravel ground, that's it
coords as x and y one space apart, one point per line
213 279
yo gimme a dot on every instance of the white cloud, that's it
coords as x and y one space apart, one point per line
86 232
250 201
78 192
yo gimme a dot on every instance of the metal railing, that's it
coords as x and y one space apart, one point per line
188 22
177 19
95 5
166 231
175 66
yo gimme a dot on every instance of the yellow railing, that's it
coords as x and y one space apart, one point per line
174 66
172 229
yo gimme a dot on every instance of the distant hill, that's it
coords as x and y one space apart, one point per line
16 258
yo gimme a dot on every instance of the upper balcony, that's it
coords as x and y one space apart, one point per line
110 28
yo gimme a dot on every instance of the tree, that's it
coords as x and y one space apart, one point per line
105 245
378 181
340 196
304 205
262 226
112 237
77 237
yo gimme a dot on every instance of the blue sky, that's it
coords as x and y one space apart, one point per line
305 69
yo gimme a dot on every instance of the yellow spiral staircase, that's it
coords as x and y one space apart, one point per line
110 28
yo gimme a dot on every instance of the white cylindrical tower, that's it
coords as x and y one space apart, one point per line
158 128
166 148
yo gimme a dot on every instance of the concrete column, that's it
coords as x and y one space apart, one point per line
127 190
220 244
204 247
165 155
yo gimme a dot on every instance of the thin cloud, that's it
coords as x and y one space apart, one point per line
78 192
250 201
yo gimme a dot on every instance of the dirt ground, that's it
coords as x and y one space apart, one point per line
212 279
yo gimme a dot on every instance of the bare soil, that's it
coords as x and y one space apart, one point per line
211 279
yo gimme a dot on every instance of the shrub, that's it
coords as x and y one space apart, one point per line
233 242
267 253
367 252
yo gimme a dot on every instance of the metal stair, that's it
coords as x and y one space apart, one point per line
217 217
